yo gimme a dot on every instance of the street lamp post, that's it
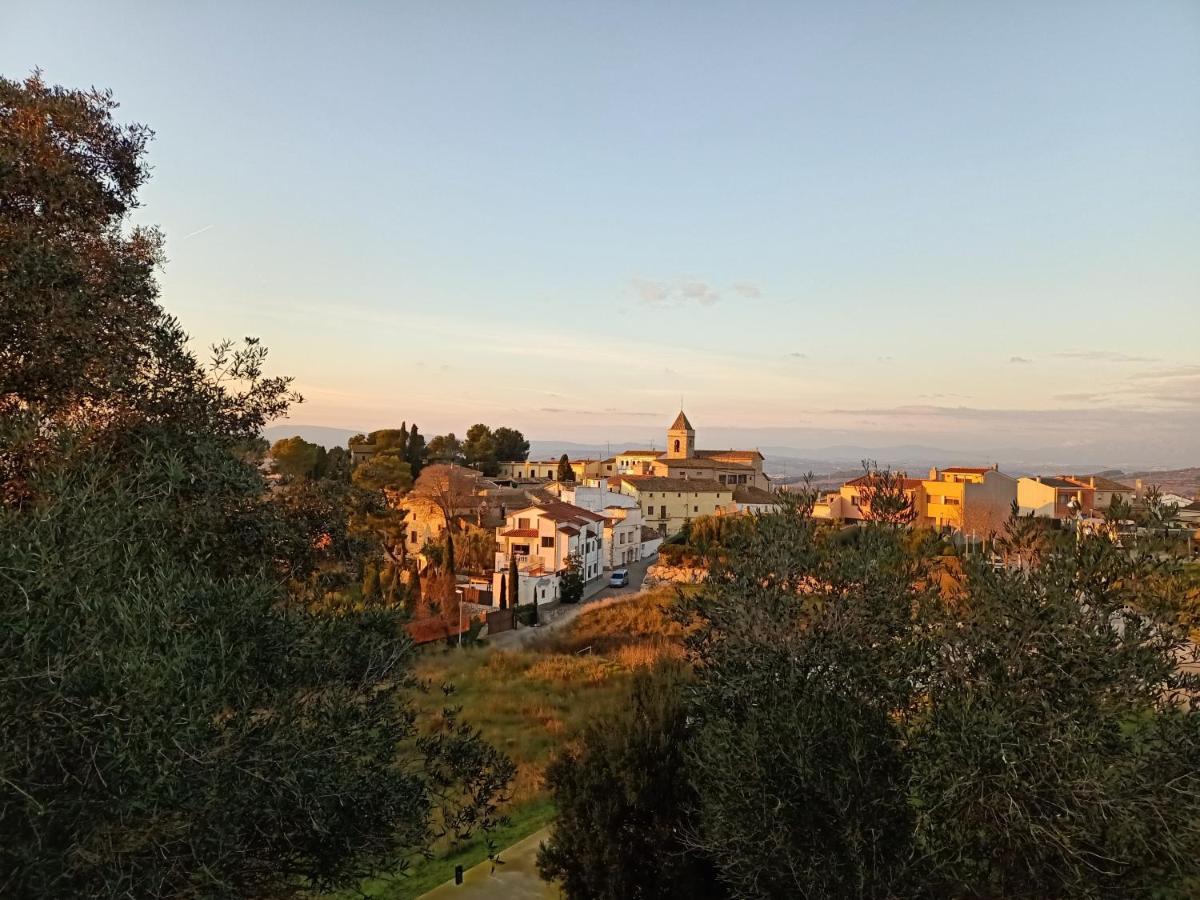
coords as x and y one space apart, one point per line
459 591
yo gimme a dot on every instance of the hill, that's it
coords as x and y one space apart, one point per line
1185 482
317 434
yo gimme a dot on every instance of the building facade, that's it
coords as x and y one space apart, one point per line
544 539
667 504
1053 497
969 499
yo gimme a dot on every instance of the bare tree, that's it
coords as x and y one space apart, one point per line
452 491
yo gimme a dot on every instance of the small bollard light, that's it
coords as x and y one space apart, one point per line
458 872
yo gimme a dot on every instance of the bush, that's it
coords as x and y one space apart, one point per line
858 730
622 797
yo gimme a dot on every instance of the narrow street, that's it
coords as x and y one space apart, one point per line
553 616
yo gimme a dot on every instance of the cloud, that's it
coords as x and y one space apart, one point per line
1020 360
798 355
674 293
1078 398
747 290
685 291
1105 356
1167 374
884 359
622 412
611 411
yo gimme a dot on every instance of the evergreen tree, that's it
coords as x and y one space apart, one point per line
565 472
571 581
415 451
514 581
511 445
623 795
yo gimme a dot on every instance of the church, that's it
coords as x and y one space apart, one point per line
681 459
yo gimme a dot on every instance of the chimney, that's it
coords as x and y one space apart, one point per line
995 467
1092 480
933 474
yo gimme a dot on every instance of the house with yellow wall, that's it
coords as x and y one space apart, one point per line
668 504
1054 497
968 499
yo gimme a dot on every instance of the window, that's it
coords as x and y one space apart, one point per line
522 523
547 542
695 509
676 446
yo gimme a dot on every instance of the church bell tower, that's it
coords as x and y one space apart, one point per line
681 438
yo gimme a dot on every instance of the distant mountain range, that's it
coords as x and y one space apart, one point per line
314 434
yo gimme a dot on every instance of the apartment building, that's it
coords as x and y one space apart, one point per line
667 504
969 499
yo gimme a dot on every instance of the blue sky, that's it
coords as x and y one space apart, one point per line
878 219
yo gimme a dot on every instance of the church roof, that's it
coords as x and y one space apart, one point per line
729 454
666 483
681 423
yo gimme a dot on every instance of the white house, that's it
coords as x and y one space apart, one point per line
623 542
544 538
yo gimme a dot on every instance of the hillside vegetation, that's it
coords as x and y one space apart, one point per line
530 704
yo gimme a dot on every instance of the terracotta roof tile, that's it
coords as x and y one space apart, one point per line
753 495
681 423
729 454
1101 482
663 483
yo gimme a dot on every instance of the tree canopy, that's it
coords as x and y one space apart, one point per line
869 718
175 718
296 458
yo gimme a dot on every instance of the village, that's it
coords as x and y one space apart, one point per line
591 519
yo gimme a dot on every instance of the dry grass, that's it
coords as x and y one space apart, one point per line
644 620
573 670
533 703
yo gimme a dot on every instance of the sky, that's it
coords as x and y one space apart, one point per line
957 222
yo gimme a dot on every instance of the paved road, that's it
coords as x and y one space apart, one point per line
560 614
515 878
